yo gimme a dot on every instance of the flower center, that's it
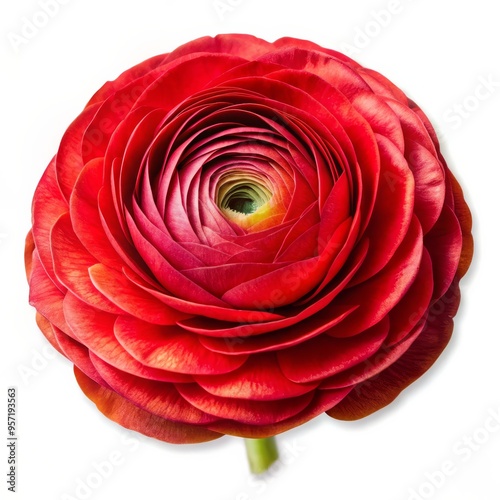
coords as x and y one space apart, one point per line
244 198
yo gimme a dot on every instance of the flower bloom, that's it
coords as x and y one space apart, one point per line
238 236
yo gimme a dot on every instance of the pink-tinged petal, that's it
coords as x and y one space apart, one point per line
413 307
380 85
121 242
337 73
414 129
45 296
243 45
336 210
118 289
95 330
429 184
361 138
247 338
204 310
322 401
301 241
298 326
48 206
128 415
294 281
388 226
382 119
379 391
85 217
166 274
218 279
305 245
242 410
78 354
105 131
74 272
171 348
444 243
259 379
465 219
69 161
159 398
377 296
290 42
375 364
338 253
161 239
324 356
127 174
263 289
45 327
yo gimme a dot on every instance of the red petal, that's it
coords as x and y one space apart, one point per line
429 184
171 348
381 390
260 379
377 296
444 243
465 219
242 410
204 310
48 332
324 356
77 354
48 206
337 73
71 265
184 77
242 45
414 305
383 120
45 296
322 401
387 226
95 329
69 161
128 76
132 417
159 398
85 217
116 287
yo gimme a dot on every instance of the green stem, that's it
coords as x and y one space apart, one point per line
261 453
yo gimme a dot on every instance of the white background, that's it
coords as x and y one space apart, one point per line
439 53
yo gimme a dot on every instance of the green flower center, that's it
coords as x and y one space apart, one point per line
243 196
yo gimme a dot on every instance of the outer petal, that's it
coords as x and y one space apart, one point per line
122 411
379 391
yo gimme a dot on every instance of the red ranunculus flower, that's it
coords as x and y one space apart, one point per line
240 235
